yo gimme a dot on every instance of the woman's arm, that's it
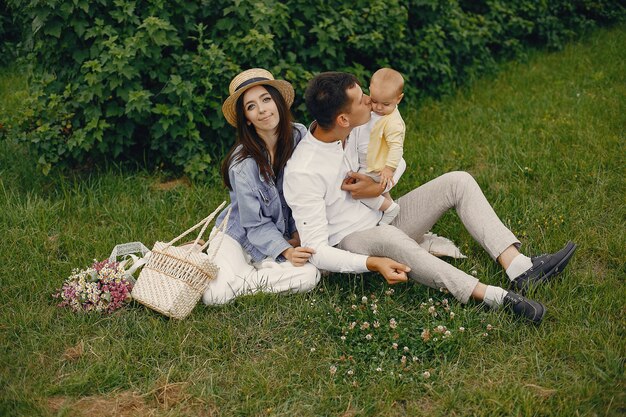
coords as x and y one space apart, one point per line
261 230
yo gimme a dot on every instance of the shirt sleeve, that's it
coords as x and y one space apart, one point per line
393 133
304 193
261 231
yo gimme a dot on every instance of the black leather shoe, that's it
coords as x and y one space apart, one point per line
544 267
524 307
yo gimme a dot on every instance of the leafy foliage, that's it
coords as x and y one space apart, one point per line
11 25
145 80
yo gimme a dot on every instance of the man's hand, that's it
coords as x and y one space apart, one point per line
386 177
394 272
361 186
298 256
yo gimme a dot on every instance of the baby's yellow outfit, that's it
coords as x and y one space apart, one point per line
386 140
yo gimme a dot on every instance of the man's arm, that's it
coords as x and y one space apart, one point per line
305 195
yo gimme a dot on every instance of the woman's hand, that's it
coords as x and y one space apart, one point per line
298 256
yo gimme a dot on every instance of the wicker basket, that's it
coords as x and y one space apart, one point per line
174 278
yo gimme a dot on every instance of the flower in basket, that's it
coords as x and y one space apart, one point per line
103 287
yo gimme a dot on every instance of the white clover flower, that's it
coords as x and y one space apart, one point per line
406 349
379 369
393 323
365 326
368 336
430 300
353 307
435 339
445 302
426 374
485 334
364 300
352 325
376 324
447 333
474 272
394 345
333 370
461 329
489 327
350 372
452 314
343 338
312 349
415 359
440 329
403 359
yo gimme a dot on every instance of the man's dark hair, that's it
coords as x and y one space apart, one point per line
326 96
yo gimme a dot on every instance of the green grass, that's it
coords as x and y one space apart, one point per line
546 141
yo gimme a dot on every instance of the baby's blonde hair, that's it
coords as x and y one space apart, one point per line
391 77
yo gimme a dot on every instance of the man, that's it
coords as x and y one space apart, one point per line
323 192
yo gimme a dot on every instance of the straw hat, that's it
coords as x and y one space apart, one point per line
247 79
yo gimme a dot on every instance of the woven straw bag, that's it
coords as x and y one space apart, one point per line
174 278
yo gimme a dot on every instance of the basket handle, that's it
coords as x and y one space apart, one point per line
220 228
204 222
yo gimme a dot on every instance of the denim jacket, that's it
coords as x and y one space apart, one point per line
260 219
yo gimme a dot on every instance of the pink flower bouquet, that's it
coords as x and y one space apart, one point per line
103 287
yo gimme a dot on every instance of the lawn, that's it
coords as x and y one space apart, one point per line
545 138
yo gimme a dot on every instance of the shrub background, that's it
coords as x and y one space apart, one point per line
145 80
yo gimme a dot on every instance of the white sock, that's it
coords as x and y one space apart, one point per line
521 263
390 214
494 296
391 207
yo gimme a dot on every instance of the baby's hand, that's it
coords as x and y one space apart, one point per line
386 177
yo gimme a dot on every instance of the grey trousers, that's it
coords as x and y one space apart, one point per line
419 210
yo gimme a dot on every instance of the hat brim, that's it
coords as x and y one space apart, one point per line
228 108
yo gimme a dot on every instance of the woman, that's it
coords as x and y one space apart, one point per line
259 250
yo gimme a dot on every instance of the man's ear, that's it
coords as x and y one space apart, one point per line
342 120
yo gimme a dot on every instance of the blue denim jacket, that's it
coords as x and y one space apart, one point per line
260 219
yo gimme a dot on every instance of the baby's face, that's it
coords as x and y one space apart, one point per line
384 97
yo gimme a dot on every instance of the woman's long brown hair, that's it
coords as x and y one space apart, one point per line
253 146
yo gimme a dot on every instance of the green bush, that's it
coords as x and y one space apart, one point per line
145 80
10 34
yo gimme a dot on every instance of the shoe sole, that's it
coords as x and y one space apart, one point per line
540 318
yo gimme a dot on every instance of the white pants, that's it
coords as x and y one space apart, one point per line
374 202
238 276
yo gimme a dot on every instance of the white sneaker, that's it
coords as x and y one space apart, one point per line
391 213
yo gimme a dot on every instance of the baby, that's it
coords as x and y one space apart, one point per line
380 157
